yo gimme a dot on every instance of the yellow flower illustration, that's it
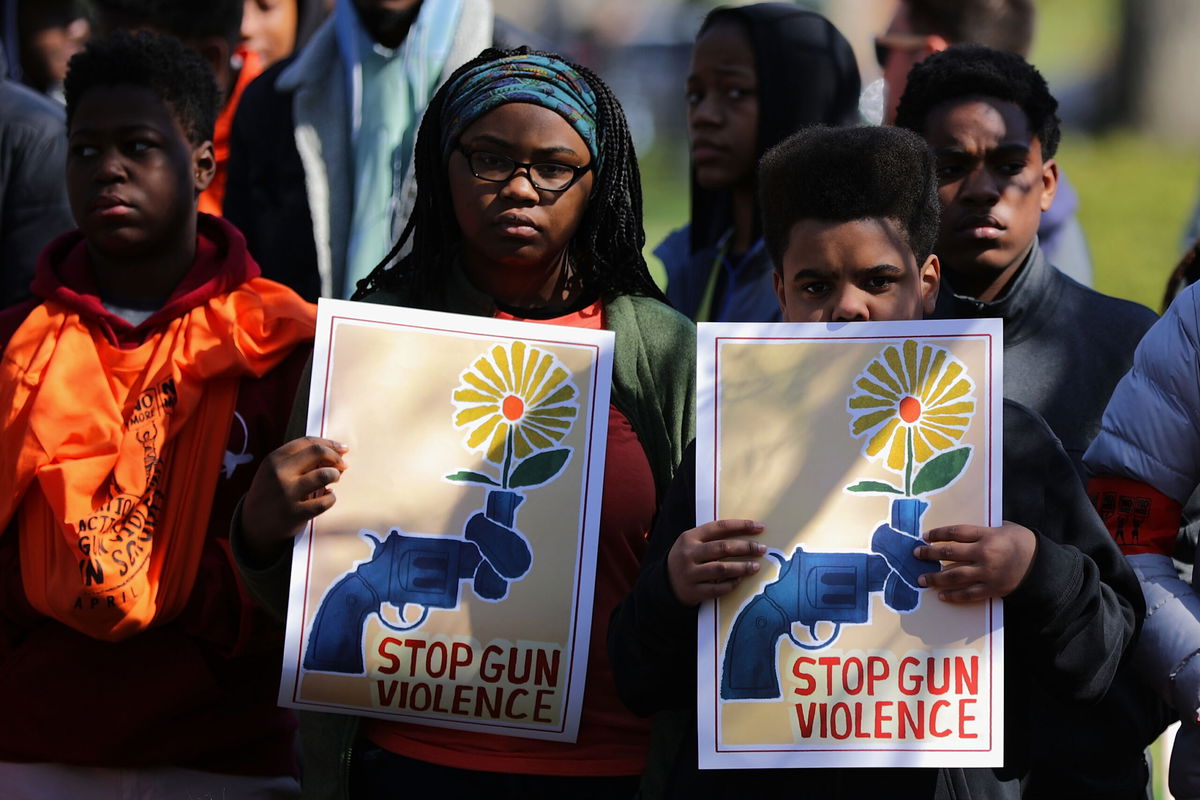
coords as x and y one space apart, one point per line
915 401
514 393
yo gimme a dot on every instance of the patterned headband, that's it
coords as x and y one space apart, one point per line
546 82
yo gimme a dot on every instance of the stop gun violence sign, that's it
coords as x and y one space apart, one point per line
451 583
848 441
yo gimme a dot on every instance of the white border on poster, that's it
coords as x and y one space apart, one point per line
712 754
333 313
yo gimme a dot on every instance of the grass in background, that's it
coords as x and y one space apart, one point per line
1135 199
1075 37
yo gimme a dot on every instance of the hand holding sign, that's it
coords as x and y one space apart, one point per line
705 561
985 562
290 488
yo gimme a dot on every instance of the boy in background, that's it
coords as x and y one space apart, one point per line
850 217
33 202
920 28
992 124
140 387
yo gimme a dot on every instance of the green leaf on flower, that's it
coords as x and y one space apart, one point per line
940 472
873 486
539 468
466 476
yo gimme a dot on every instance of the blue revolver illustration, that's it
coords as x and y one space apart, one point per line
422 570
823 587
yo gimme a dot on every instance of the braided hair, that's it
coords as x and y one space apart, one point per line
606 250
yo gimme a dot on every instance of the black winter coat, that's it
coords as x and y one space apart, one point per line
1066 628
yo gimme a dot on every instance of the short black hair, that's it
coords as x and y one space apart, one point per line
849 174
187 19
1002 24
179 76
972 71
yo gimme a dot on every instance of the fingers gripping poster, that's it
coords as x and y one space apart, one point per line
849 443
451 582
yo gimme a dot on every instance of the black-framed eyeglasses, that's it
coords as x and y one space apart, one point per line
550 176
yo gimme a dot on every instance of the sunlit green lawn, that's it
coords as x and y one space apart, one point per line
1135 199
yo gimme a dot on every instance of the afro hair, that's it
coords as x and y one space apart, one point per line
972 71
179 76
849 174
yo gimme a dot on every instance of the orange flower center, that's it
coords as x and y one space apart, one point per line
910 409
513 407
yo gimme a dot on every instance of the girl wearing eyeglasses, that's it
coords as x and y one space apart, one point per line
758 73
528 207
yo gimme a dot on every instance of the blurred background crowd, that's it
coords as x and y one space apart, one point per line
1122 70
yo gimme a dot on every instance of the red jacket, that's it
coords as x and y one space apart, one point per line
198 691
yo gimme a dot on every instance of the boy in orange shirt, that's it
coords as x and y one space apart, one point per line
139 388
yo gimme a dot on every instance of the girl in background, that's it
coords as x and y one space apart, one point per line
758 73
277 28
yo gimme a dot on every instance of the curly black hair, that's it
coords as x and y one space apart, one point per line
848 174
606 249
187 19
969 71
179 76
1002 24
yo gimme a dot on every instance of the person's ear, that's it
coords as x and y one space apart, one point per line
929 276
1049 183
777 277
204 165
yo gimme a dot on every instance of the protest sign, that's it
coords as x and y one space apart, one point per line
451 583
848 442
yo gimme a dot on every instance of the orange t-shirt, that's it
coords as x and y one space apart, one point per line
612 740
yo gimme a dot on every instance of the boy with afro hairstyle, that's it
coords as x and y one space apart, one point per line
139 389
850 216
212 28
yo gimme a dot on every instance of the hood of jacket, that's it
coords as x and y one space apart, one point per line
222 263
807 75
